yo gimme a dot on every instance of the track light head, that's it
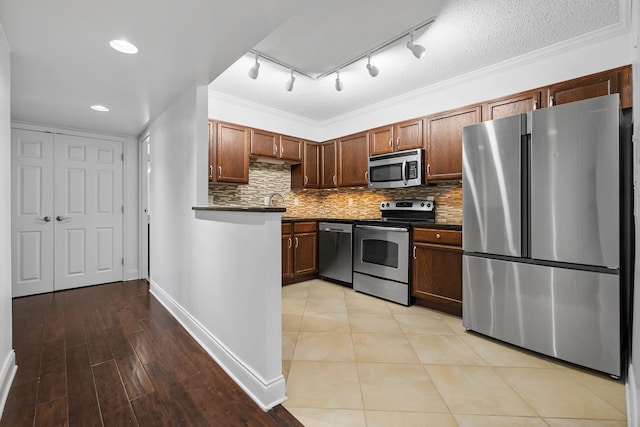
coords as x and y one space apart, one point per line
416 49
373 70
339 85
253 72
289 85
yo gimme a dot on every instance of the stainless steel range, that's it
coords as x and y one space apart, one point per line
381 258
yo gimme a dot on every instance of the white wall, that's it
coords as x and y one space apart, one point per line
218 273
7 356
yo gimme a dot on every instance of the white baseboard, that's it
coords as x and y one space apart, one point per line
633 399
7 373
266 394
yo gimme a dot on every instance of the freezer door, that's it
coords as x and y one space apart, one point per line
572 315
575 208
491 186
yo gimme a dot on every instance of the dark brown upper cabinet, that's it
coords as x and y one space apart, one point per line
353 158
228 153
444 142
397 137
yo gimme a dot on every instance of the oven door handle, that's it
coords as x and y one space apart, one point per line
377 228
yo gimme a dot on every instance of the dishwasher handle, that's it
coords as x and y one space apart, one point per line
328 227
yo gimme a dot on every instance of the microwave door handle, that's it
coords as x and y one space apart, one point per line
404 173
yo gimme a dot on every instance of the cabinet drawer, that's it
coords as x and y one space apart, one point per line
445 237
286 228
305 227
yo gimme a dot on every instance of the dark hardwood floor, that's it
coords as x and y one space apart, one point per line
112 355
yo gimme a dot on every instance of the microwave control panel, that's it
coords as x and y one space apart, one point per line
413 170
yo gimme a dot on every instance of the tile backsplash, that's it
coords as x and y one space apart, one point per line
266 179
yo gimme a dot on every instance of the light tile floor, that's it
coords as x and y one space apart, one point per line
353 360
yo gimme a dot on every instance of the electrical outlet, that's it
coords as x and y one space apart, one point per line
350 201
295 201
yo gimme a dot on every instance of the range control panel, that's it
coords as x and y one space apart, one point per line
408 205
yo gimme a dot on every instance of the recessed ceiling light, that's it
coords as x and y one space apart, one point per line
124 46
99 108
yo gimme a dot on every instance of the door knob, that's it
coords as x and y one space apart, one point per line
46 219
61 218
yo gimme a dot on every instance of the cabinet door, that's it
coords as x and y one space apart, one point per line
512 105
290 149
306 253
408 135
231 154
307 174
264 144
437 276
311 165
212 150
605 83
287 256
329 176
353 156
381 140
444 143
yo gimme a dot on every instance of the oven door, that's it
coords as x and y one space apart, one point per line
382 251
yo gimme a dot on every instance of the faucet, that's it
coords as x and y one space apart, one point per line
273 195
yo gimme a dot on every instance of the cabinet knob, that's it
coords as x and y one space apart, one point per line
398 142
281 150
296 242
219 171
289 242
551 101
306 180
414 252
535 103
390 142
366 175
275 149
437 235
428 169
210 171
334 179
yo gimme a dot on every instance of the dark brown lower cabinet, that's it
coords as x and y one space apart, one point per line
437 269
299 251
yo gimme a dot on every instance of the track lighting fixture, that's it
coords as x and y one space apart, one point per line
253 72
416 49
373 70
289 85
339 85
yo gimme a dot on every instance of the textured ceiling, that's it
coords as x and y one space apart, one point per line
467 35
61 63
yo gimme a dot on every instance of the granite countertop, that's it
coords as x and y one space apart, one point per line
416 224
266 209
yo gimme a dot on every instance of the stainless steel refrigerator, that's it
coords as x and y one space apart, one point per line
546 226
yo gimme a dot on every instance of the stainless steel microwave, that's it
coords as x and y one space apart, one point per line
397 170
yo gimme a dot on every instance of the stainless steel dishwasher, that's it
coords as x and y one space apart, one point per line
336 262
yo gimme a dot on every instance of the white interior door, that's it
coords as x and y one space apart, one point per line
88 209
145 171
32 215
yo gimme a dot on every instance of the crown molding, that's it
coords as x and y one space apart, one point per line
251 105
